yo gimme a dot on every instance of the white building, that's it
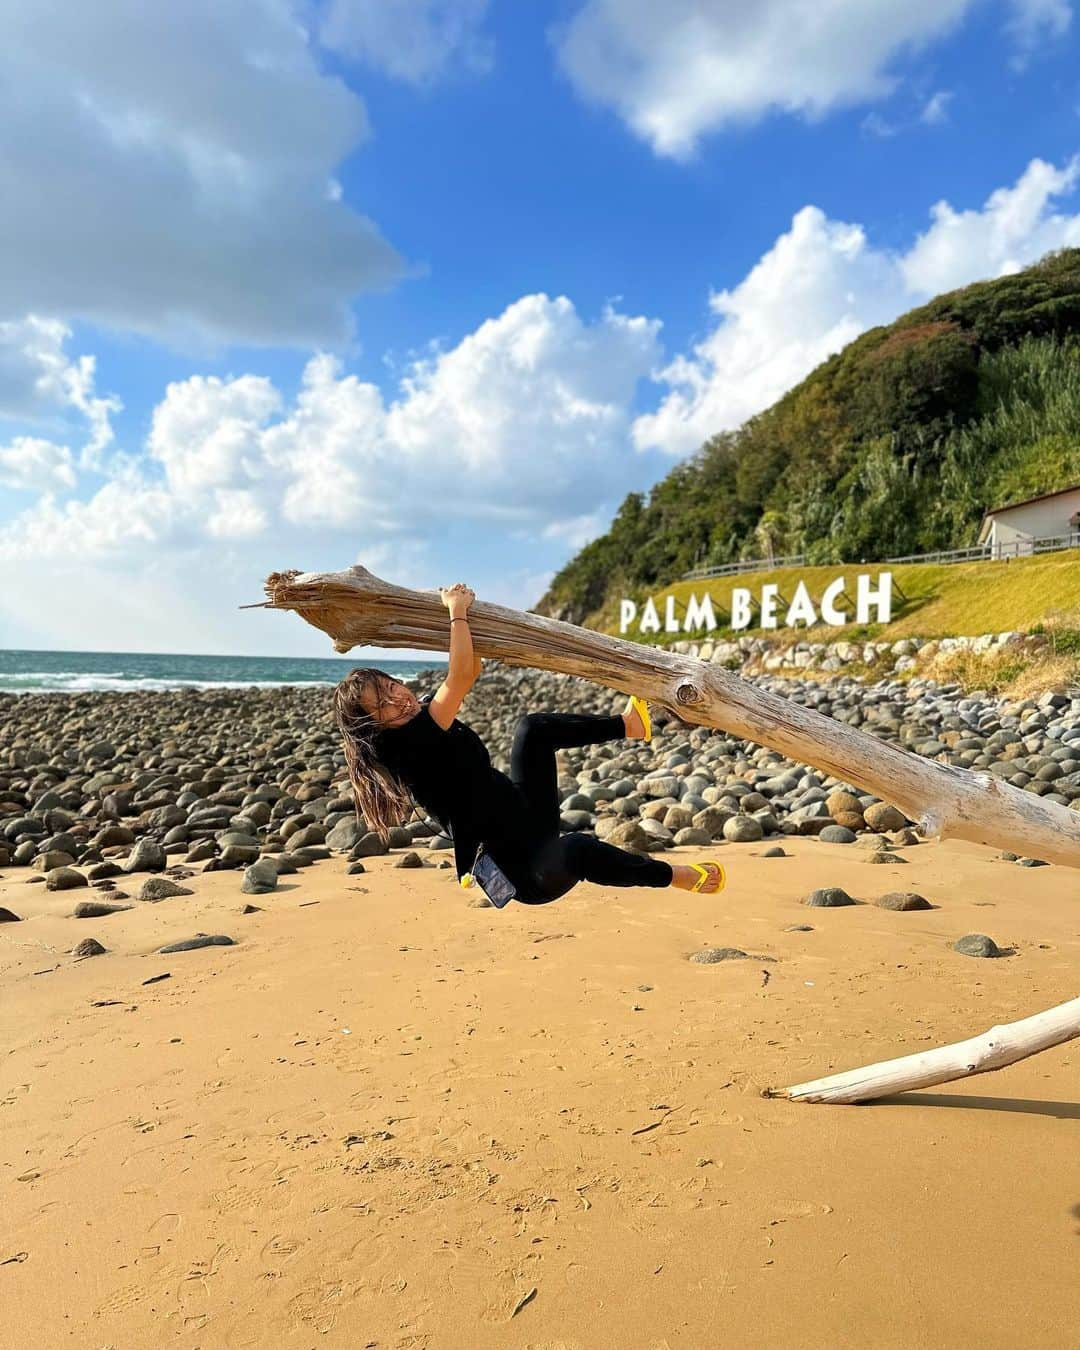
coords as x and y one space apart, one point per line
1012 531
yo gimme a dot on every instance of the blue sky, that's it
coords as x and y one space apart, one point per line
431 285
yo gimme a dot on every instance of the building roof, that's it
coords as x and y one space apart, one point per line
1045 496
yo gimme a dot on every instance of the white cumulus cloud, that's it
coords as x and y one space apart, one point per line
823 282
1035 21
1014 227
199 144
39 383
31 463
676 71
516 425
412 40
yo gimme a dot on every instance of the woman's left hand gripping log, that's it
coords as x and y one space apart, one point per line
464 665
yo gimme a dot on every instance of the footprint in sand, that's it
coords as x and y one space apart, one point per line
317 1306
240 1198
235 1198
164 1226
129 1296
295 1117
280 1248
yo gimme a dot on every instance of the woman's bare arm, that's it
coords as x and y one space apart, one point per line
464 666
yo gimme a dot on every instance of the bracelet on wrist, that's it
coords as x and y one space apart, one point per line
460 619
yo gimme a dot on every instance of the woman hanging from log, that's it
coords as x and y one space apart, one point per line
399 747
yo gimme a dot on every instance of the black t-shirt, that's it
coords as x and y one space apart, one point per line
450 773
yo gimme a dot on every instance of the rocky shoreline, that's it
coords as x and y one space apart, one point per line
94 786
761 654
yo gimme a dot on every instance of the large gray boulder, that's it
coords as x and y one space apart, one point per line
346 833
260 878
743 830
146 856
64 879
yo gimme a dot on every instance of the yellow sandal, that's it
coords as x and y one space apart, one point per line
643 711
701 867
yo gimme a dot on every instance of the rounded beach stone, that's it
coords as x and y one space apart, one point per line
843 801
690 834
976 944
310 834
238 855
102 871
346 833
1031 862
902 900
95 909
88 947
7 916
370 845
54 857
632 835
146 856
836 834
260 877
775 852
161 888
710 955
743 830
712 819
828 897
881 816
883 858
200 940
237 839
64 879
410 859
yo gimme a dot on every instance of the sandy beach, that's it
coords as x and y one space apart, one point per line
385 1118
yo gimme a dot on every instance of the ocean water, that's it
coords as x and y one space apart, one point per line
74 672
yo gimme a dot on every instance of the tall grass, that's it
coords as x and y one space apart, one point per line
1027 438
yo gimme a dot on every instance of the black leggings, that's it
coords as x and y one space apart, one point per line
559 861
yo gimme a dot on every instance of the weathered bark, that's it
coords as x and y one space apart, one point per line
993 1050
357 608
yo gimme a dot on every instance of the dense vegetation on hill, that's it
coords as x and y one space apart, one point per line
895 445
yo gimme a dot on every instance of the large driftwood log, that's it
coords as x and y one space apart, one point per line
994 1049
357 608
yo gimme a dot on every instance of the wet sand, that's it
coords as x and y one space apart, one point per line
388 1119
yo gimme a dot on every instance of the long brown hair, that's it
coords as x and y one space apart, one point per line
381 799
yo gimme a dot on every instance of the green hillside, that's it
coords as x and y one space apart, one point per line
896 445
